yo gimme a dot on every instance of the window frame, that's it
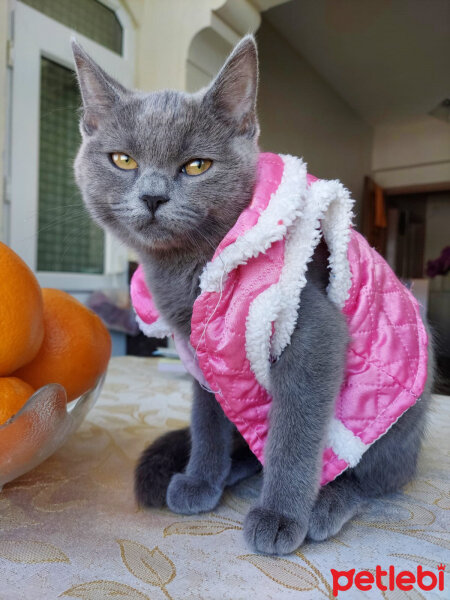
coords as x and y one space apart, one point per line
36 35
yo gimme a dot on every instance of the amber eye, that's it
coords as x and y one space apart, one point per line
123 161
197 166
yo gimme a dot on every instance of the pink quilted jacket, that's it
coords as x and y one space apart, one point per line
246 312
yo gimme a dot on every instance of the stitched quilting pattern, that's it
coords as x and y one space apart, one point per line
386 363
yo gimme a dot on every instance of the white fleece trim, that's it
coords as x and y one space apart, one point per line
158 329
286 205
336 220
272 226
344 443
258 332
328 209
325 208
300 246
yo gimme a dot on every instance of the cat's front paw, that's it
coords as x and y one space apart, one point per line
188 496
270 532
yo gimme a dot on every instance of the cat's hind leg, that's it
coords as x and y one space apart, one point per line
337 503
244 464
387 466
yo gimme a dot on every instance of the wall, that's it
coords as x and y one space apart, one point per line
164 31
207 53
412 151
301 114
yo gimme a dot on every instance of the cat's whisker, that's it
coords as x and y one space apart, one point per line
62 221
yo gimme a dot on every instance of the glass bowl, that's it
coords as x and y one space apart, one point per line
41 426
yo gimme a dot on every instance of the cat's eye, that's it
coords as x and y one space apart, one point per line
197 166
123 161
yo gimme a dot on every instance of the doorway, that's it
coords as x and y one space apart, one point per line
410 228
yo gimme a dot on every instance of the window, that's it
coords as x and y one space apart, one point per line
89 17
67 238
49 226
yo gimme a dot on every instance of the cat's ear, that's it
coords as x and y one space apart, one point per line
232 94
99 91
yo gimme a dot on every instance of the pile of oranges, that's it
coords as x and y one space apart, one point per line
46 336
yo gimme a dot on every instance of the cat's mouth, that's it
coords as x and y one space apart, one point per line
151 225
156 233
153 233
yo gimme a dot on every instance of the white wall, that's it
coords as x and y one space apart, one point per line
301 114
412 151
207 53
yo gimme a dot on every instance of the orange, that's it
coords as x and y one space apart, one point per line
21 312
13 395
76 347
29 438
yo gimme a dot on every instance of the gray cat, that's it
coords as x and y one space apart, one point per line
174 222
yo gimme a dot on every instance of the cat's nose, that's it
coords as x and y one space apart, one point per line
153 202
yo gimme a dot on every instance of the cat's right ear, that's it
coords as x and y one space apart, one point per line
99 91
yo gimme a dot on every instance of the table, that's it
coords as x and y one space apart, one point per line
71 528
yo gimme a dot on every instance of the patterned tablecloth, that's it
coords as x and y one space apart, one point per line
71 528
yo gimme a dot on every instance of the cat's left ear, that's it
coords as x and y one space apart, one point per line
232 94
99 91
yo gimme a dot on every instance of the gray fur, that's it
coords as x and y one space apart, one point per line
162 131
305 382
200 487
170 453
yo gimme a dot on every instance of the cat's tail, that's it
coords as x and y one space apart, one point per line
166 456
